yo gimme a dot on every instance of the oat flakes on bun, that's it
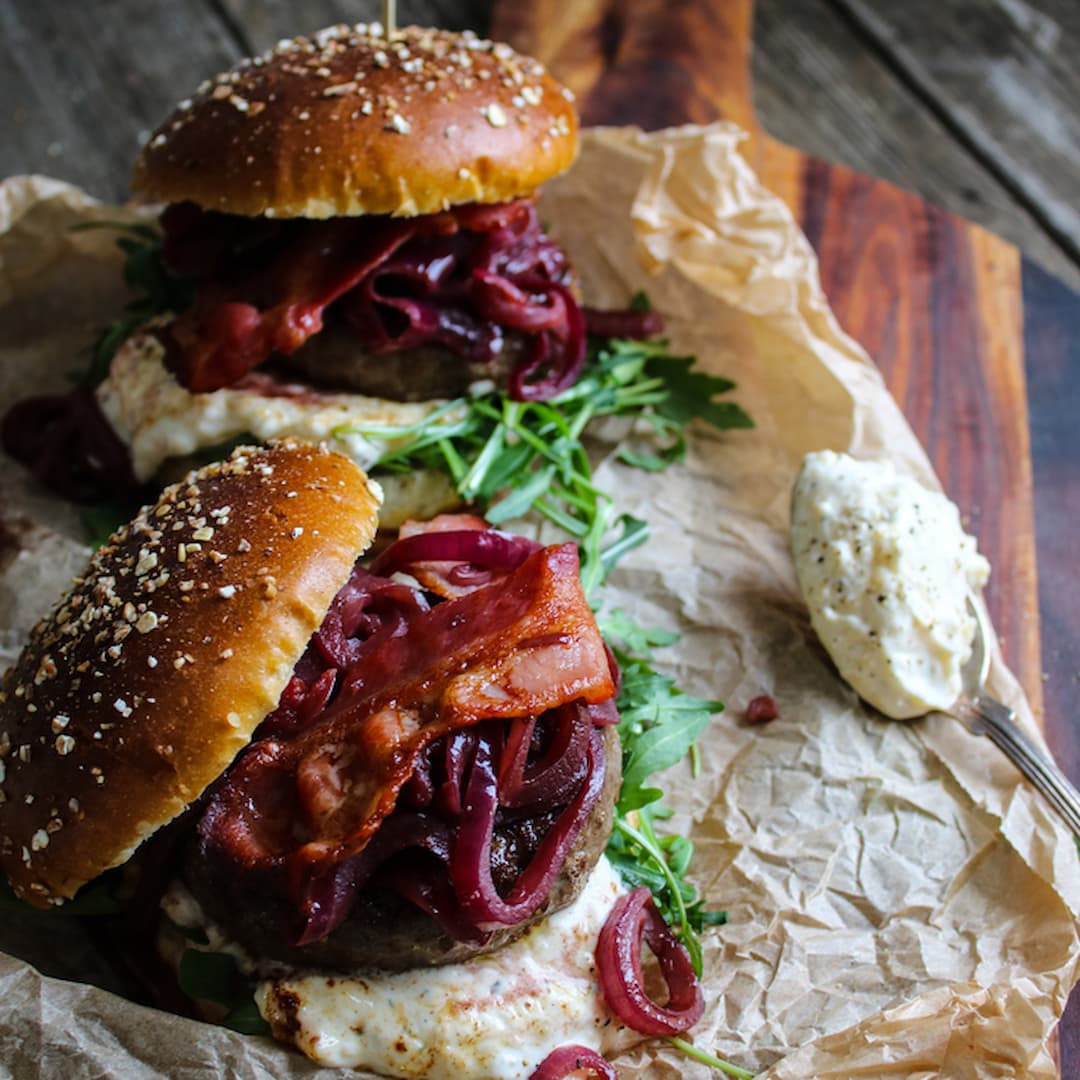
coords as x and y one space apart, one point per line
151 676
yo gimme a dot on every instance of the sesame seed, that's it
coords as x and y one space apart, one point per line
147 621
297 532
205 533
39 840
59 722
226 592
151 661
64 745
122 707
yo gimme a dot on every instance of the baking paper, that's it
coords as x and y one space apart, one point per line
901 904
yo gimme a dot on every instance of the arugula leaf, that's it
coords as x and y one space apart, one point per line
215 977
617 625
101 520
658 726
155 291
510 457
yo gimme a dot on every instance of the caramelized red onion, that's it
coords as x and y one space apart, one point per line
470 863
69 446
530 782
327 896
561 767
461 280
479 550
635 920
573 1061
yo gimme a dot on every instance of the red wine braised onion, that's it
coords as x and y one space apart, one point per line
486 548
633 920
574 1060
470 862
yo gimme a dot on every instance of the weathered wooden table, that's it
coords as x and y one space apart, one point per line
968 103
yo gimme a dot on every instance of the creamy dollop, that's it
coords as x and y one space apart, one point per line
885 567
495 1016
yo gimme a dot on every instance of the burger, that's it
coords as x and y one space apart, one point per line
349 239
335 772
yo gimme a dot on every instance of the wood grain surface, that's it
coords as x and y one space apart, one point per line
934 299
969 103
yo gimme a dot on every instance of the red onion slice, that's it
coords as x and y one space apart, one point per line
470 862
486 548
561 767
574 1061
635 918
326 897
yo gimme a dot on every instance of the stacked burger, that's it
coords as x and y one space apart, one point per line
351 236
323 766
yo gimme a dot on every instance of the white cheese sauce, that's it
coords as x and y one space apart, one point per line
496 1016
159 419
885 567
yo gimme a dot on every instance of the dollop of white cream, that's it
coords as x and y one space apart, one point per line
496 1016
159 419
885 567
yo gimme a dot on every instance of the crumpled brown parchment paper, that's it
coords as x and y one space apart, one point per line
900 904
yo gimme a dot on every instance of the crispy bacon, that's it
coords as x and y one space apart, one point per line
528 645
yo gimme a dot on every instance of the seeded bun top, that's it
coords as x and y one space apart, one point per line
348 122
143 685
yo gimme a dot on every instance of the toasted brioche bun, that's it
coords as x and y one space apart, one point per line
143 685
348 122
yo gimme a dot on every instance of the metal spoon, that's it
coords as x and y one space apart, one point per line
982 715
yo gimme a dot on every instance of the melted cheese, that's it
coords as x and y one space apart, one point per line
885 567
496 1016
159 419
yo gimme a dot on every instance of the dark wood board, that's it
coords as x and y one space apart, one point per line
937 301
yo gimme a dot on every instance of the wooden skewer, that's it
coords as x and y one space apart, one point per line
389 8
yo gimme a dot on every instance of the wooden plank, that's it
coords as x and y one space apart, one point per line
1003 76
818 87
934 299
936 303
81 91
1052 335
263 22
648 53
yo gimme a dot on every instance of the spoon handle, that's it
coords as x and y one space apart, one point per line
985 716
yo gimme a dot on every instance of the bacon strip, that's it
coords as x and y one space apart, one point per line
518 648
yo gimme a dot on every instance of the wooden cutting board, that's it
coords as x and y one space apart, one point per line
934 299
938 302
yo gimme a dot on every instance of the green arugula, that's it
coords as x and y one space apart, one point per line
512 457
659 724
216 977
154 290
